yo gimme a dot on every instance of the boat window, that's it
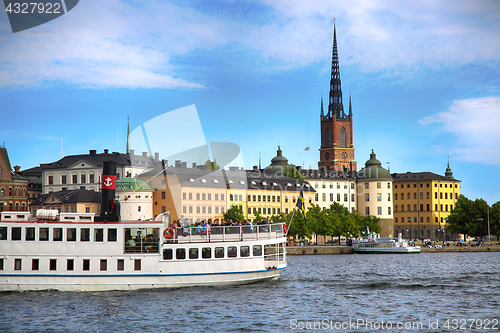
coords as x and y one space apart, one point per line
193 253
231 251
104 264
245 251
206 253
43 234
168 254
17 264
180 254
30 234
86 264
98 235
257 250
35 264
71 234
1 264
112 235
3 233
219 252
120 265
16 233
70 264
57 234
53 264
137 264
142 240
85 235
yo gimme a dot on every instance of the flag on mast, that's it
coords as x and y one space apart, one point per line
301 205
307 148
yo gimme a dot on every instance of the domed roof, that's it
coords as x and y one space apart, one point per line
278 163
130 184
373 170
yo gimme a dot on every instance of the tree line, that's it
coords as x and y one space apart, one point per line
470 217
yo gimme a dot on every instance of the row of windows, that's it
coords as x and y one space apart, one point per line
265 198
413 219
44 234
323 185
74 179
427 195
379 211
426 185
270 211
379 185
203 209
199 196
379 197
13 192
428 208
206 252
346 197
70 264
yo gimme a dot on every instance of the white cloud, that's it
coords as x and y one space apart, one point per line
133 44
475 123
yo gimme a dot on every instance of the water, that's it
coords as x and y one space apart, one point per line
315 293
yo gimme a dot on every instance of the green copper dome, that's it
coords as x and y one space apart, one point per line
278 163
130 184
373 170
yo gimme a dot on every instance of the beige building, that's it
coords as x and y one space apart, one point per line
68 201
374 192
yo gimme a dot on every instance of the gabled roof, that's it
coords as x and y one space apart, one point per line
5 157
421 176
93 159
67 196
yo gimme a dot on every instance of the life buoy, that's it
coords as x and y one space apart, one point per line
304 251
315 251
285 228
341 250
166 232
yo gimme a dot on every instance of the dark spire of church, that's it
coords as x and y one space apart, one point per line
335 107
322 112
350 106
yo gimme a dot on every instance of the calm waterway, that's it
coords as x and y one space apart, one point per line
427 292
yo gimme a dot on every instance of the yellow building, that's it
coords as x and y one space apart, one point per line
422 203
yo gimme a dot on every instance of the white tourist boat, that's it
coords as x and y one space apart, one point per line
383 245
72 251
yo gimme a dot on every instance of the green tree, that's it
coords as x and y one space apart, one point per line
460 217
234 213
495 219
370 222
292 172
212 165
258 217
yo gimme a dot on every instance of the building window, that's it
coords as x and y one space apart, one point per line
85 235
86 264
43 234
379 185
51 180
203 196
30 234
345 197
342 137
197 196
388 185
388 197
379 197
352 197
190 209
70 264
82 178
379 210
112 235
367 211
57 234
367 185
222 196
388 210
63 179
338 197
163 195
367 196
190 196
209 196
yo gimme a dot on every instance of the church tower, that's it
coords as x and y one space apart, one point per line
337 149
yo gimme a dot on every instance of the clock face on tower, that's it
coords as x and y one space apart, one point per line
344 155
327 155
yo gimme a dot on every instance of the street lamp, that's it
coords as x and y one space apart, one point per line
410 219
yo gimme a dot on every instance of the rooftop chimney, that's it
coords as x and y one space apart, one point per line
17 168
106 151
92 152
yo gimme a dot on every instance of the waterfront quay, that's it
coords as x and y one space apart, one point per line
340 249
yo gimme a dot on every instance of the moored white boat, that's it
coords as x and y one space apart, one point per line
384 245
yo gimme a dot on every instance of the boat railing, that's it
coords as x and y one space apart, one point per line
224 233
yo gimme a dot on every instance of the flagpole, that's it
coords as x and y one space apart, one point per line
290 224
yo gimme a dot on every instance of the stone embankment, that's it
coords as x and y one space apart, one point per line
336 249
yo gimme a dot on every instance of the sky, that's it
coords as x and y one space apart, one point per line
424 77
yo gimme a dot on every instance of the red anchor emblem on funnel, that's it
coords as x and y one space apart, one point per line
108 182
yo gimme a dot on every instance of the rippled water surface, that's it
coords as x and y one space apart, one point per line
315 293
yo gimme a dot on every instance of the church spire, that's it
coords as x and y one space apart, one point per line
335 107
350 106
448 172
322 112
128 135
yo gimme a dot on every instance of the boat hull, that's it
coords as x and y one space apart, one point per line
389 250
132 282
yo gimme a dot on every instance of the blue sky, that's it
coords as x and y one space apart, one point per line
424 78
